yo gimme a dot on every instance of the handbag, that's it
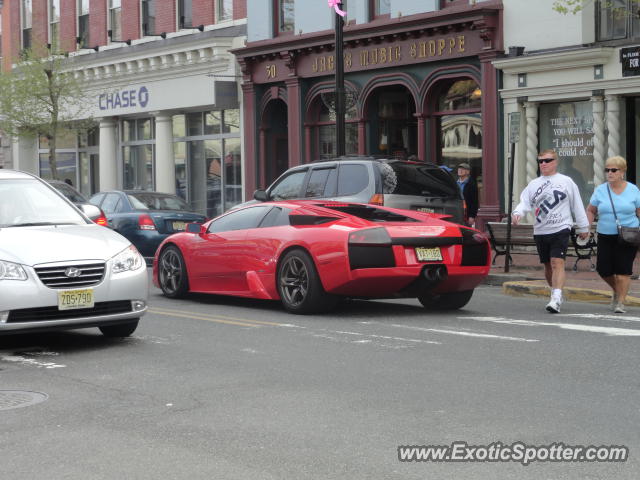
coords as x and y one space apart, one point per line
626 235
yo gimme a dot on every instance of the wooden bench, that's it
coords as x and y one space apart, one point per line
522 240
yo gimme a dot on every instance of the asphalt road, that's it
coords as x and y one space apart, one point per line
222 388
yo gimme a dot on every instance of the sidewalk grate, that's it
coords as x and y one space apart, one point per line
15 399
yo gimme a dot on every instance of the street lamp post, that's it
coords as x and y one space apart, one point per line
339 89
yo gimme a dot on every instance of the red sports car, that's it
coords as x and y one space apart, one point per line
308 254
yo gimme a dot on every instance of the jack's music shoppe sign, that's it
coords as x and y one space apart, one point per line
372 55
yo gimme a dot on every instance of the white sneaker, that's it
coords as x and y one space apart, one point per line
614 301
619 308
554 305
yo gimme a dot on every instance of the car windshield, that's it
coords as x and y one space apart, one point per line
28 202
415 179
155 201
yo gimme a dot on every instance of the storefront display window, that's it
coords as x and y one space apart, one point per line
138 167
568 128
208 172
326 130
76 158
137 153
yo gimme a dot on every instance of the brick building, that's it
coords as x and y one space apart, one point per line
163 88
418 75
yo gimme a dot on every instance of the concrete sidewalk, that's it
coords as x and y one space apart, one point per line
526 277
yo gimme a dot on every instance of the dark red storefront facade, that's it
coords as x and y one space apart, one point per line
419 85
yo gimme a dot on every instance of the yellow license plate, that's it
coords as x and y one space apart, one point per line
428 254
72 299
426 210
179 226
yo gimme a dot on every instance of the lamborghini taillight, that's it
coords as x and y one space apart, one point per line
370 236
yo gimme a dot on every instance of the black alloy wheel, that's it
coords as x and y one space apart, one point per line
299 285
172 273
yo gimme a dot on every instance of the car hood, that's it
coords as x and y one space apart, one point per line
35 245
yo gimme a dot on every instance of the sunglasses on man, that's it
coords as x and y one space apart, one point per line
545 160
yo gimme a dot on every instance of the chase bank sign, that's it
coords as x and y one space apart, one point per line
129 98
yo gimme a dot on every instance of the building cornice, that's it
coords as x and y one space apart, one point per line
555 61
616 86
447 20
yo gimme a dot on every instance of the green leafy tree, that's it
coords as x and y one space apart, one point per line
40 96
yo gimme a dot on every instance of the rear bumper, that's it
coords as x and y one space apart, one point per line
399 281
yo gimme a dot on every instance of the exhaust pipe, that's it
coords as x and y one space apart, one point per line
435 274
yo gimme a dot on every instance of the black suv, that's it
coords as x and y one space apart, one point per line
394 183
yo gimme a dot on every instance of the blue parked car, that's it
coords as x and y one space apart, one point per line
145 218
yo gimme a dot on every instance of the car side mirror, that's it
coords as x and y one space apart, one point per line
261 195
195 228
91 211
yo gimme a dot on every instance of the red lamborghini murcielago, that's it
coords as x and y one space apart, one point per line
309 253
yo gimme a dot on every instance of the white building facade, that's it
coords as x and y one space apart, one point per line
576 85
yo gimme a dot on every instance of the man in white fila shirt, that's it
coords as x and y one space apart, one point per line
554 199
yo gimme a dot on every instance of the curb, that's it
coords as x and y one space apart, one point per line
536 288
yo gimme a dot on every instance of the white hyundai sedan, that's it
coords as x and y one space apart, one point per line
58 269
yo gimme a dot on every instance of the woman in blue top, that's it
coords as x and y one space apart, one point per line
615 260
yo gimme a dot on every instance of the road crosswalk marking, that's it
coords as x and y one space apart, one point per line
611 331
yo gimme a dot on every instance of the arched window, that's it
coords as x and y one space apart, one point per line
324 129
459 126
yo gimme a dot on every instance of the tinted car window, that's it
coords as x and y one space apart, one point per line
276 217
318 182
153 201
110 203
352 179
239 220
370 213
289 187
416 179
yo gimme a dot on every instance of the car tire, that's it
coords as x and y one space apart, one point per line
445 301
120 330
299 285
172 273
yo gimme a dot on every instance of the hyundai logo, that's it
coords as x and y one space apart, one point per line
72 272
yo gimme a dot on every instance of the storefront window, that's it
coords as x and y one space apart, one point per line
76 158
568 129
394 127
65 166
231 121
137 153
208 172
213 123
179 129
326 129
138 167
463 94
